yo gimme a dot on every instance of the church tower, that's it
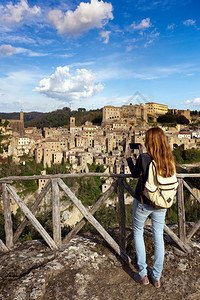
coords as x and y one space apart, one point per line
72 122
21 116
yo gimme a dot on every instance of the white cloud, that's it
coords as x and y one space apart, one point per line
86 16
105 35
195 101
16 14
64 86
143 25
29 52
171 27
8 38
1 92
189 22
148 43
80 64
8 50
151 37
129 48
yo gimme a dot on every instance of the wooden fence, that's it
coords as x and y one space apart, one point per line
55 183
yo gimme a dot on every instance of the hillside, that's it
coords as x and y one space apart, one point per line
57 118
28 117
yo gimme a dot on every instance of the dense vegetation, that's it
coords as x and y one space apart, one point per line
30 116
186 156
57 118
170 118
3 139
61 117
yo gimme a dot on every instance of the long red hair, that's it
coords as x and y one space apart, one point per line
158 148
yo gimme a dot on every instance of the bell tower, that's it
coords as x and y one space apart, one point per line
72 122
21 116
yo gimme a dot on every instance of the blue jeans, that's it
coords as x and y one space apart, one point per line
140 214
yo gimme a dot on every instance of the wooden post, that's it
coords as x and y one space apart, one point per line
181 211
94 208
32 209
7 217
173 236
56 212
129 238
122 217
3 247
191 191
32 218
192 231
132 192
94 222
129 188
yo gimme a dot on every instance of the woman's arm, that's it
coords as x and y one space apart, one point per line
137 168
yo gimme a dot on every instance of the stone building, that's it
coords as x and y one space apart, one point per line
38 154
185 113
137 111
177 139
17 126
42 182
99 160
113 113
156 108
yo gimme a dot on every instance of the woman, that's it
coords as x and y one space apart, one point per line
157 149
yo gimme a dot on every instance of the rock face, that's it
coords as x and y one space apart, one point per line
85 269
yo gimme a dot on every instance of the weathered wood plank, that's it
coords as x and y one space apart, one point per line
3 247
192 231
32 209
56 212
184 175
94 208
68 175
75 175
173 236
8 225
129 238
191 191
122 216
181 211
94 222
132 192
32 218
129 188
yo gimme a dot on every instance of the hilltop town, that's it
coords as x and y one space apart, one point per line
84 145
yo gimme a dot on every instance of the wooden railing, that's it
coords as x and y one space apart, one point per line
55 183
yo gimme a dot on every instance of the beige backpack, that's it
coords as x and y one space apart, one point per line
159 190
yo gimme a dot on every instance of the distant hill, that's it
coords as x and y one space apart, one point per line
57 118
28 117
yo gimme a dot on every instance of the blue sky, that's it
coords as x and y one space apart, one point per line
94 53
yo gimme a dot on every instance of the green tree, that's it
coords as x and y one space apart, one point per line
172 118
182 120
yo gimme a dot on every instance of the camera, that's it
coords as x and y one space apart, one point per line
134 146
131 145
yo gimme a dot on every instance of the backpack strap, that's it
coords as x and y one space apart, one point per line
142 197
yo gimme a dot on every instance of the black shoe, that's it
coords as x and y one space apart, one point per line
155 282
143 280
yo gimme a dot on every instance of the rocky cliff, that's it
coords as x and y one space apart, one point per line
87 269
